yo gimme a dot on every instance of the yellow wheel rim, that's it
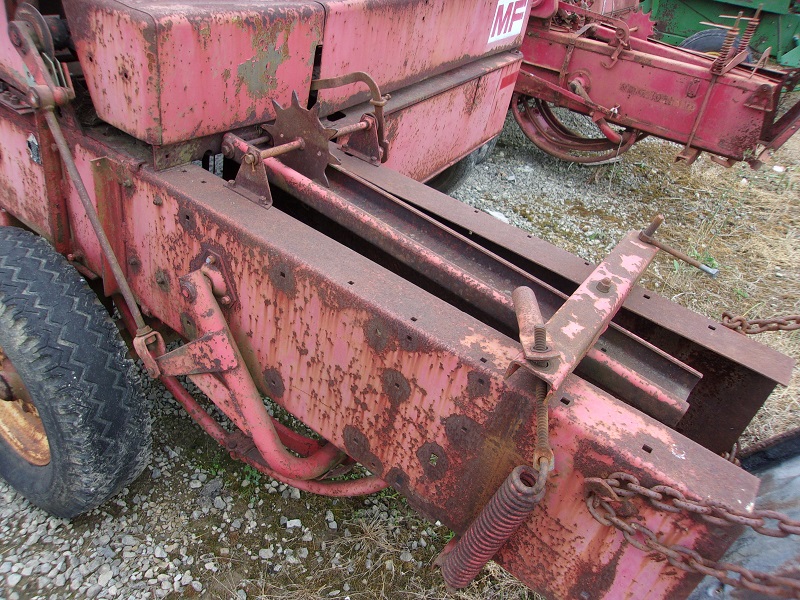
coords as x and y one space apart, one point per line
20 424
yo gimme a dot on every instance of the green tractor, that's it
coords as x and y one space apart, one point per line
690 24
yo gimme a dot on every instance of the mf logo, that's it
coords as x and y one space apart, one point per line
508 19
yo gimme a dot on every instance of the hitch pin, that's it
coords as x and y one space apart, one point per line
646 235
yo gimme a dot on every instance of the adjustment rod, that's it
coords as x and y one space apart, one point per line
646 235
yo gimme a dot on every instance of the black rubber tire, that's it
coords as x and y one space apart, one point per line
74 365
485 151
710 40
454 175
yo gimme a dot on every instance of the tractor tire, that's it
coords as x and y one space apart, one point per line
74 425
709 41
453 176
485 151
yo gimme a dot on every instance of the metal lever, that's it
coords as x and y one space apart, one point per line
646 235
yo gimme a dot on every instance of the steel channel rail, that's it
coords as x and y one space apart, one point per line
486 281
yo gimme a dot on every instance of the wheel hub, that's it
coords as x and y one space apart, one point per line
20 424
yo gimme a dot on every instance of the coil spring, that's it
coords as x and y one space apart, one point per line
511 504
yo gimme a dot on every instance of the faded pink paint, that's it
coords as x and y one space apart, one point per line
657 88
313 328
166 73
424 137
451 32
587 313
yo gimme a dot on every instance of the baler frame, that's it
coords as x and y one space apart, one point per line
387 318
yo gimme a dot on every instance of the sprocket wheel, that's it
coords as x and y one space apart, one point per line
640 24
295 122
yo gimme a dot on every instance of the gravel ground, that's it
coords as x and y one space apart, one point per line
197 525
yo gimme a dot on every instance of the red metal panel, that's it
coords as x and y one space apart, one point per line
168 72
656 88
388 373
733 367
433 123
428 137
11 65
399 42
30 181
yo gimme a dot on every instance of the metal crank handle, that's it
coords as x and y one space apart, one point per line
646 235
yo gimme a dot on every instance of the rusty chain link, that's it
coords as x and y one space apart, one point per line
753 326
622 487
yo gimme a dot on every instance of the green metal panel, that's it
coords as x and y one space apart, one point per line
779 29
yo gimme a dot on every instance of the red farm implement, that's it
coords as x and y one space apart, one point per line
240 179
605 66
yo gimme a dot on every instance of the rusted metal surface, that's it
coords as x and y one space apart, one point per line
575 327
377 101
543 128
731 368
109 256
293 122
606 498
241 448
233 388
30 184
435 123
513 502
384 364
382 27
348 356
747 326
482 281
11 65
391 374
166 73
20 425
705 103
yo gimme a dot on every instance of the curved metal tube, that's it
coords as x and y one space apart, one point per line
357 487
542 127
378 101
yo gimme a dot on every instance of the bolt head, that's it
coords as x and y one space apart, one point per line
225 300
604 285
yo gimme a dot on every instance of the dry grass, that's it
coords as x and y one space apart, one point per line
748 223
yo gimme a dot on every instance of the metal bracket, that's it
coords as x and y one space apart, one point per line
212 264
362 143
211 353
377 100
761 99
141 344
251 183
16 102
552 351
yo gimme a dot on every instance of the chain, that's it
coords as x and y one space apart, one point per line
622 487
753 326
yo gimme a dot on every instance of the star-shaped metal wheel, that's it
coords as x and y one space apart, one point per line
295 122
